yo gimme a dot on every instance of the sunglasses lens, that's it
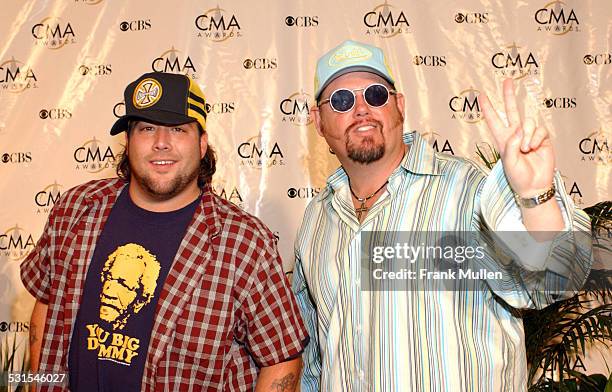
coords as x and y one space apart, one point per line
342 100
376 95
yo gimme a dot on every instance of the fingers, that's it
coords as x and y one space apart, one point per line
495 124
514 118
513 147
540 136
532 136
529 127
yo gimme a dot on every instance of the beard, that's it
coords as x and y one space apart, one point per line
167 189
366 151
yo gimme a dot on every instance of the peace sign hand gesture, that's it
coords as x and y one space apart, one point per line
526 150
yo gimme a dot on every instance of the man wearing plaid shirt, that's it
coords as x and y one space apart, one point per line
149 281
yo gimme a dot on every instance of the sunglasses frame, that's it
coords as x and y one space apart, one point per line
328 100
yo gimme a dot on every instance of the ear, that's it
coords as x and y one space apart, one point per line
399 101
203 143
316 116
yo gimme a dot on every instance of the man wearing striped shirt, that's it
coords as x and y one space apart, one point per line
466 339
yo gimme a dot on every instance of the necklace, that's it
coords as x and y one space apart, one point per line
362 208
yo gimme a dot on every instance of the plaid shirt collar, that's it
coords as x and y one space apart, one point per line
107 195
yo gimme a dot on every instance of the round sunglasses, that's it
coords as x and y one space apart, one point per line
343 100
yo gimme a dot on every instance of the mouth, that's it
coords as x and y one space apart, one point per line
162 165
163 162
365 127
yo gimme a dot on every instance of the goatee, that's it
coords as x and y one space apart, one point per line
367 151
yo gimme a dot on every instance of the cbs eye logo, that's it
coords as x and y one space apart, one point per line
96 70
560 103
135 25
302 21
302 193
292 193
472 17
55 114
260 63
599 59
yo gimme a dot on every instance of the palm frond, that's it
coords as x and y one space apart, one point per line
558 336
601 215
487 154
8 363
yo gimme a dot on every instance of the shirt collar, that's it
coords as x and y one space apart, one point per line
421 159
112 187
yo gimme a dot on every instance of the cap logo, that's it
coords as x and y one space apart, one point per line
147 93
349 54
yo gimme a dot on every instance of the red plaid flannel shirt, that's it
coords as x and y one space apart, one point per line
225 308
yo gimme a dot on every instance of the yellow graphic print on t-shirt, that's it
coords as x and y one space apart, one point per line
112 346
129 279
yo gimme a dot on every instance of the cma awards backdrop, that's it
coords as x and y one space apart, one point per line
64 65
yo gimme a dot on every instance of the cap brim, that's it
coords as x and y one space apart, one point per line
154 116
357 68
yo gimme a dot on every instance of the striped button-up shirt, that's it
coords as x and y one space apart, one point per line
418 340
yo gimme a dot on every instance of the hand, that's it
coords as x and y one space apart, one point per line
526 150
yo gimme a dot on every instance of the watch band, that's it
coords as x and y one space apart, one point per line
530 202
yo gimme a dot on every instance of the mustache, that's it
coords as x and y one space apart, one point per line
161 157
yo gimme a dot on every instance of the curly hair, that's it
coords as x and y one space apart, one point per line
208 163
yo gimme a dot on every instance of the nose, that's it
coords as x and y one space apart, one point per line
361 107
162 139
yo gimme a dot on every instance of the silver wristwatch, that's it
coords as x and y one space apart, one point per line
530 202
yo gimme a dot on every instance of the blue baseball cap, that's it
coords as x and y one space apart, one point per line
350 56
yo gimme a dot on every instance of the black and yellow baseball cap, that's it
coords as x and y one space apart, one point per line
162 98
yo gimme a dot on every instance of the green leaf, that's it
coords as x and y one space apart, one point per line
609 384
600 214
490 157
